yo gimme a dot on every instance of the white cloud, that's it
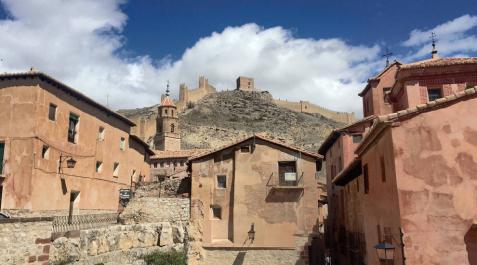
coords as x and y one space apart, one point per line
455 38
80 43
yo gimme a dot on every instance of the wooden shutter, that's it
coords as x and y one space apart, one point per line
2 149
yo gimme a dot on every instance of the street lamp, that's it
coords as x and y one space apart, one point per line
70 162
385 252
251 233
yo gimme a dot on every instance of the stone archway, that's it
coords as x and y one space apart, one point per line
470 240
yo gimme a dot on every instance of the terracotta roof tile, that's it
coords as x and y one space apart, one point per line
178 153
261 137
439 62
167 102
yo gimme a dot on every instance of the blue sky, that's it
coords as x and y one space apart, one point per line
169 27
320 51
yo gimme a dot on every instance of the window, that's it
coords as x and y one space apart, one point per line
165 111
101 133
182 163
2 150
386 91
287 173
221 182
155 165
52 112
366 179
245 149
172 112
216 212
99 166
383 169
73 128
116 169
161 164
172 127
357 138
45 152
434 93
122 144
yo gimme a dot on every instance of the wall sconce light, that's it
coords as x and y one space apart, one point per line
251 233
385 252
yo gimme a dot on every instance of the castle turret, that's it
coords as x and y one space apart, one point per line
245 83
168 135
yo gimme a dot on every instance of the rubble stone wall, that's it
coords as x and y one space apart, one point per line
121 243
153 210
25 241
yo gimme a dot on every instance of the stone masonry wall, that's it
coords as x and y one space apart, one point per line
120 244
251 257
153 210
25 241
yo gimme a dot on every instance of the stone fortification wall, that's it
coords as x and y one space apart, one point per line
25 241
121 244
187 95
307 107
152 210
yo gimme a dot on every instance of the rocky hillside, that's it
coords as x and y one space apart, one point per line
225 116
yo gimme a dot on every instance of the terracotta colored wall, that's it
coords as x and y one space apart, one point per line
278 217
449 79
436 165
380 205
33 182
386 80
171 167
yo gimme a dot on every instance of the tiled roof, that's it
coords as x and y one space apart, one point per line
141 142
167 102
328 142
376 77
260 137
178 153
436 62
411 112
47 78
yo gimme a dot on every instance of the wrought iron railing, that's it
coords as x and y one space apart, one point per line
84 221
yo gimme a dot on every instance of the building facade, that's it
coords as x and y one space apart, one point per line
255 197
59 148
405 182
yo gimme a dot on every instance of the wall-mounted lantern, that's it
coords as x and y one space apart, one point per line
385 252
70 162
251 233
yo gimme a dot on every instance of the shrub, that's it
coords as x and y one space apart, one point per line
165 258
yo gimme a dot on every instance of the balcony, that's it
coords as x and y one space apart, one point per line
288 183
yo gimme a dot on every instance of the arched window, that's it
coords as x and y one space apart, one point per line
172 128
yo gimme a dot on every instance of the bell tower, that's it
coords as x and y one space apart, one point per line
167 136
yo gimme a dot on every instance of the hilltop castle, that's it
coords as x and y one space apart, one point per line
188 97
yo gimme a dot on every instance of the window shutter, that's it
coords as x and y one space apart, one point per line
2 149
423 90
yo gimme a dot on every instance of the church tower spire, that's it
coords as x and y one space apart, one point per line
167 136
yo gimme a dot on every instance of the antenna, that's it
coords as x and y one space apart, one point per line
387 54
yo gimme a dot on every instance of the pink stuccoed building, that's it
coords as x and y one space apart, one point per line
404 178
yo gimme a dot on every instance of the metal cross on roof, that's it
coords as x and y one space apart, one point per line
387 54
433 38
167 89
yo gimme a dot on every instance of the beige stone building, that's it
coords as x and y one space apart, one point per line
60 149
255 201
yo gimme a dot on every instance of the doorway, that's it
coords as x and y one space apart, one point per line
470 240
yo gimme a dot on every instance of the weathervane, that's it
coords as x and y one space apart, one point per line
433 38
387 54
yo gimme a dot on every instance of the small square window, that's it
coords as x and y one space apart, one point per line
122 144
99 166
245 149
161 164
155 165
45 152
434 93
221 182
116 169
182 163
357 138
216 212
101 133
52 112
